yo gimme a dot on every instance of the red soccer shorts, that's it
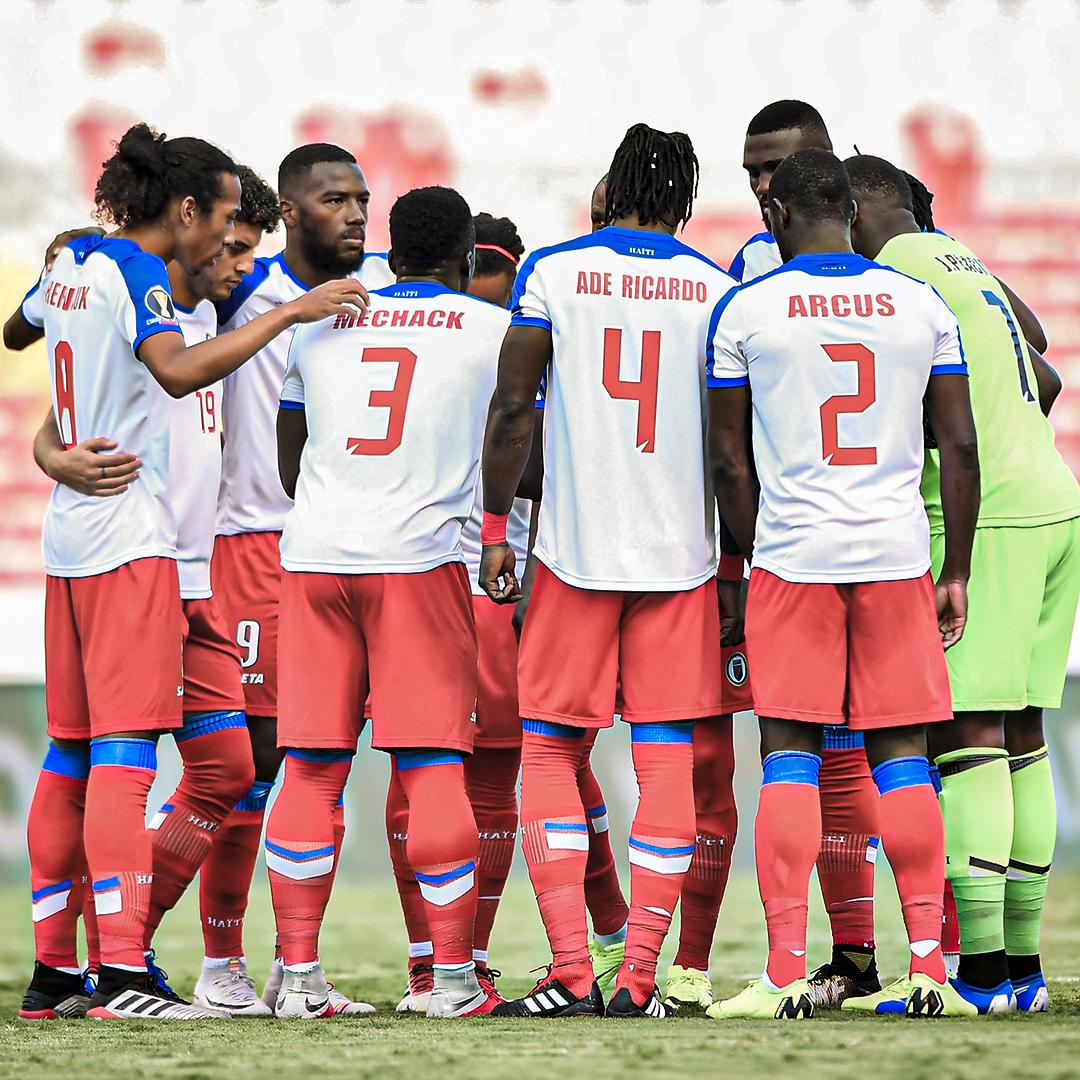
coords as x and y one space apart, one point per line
113 651
498 723
735 675
246 577
211 660
578 645
409 638
867 654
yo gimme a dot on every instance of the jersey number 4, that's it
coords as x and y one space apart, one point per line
396 399
644 391
831 450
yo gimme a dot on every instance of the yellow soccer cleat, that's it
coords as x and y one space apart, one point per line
891 1000
757 1002
606 961
688 987
930 998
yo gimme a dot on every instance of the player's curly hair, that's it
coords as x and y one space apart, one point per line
501 232
430 229
654 175
259 204
149 170
816 183
921 198
790 115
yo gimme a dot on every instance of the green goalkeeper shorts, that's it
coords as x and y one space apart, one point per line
1021 610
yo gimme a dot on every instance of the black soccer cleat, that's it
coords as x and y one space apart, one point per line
850 973
54 995
550 999
622 1005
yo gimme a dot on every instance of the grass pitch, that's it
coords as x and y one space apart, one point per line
363 946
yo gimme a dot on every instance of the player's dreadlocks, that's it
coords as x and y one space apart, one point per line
921 198
259 204
790 115
654 175
430 228
498 246
149 170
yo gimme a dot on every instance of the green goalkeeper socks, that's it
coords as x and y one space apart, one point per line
977 805
1034 833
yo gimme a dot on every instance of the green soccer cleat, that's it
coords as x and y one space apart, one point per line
757 1002
687 987
930 998
606 961
891 1000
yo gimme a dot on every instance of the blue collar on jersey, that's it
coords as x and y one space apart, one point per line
830 264
415 288
116 248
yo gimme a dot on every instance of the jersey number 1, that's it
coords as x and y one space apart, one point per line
995 301
644 391
396 399
831 450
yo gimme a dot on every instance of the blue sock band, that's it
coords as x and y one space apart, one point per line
553 731
255 800
838 737
935 778
72 761
790 767
422 759
130 753
681 731
329 756
196 724
901 772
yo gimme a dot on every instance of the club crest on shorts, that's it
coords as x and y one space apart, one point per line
159 301
738 670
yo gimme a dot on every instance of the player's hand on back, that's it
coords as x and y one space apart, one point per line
732 595
497 577
89 470
345 296
951 610
61 240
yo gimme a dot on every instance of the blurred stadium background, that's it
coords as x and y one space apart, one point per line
520 106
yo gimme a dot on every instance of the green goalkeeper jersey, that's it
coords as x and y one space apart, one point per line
1025 481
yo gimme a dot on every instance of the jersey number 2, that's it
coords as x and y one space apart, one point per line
396 399
831 450
644 391
64 360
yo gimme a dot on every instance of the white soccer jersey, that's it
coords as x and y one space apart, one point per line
517 536
100 301
758 256
837 351
251 499
195 463
396 402
627 501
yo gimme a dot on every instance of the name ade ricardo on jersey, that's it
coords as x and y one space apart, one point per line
642 286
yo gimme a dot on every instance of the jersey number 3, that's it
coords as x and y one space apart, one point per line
644 391
396 399
831 450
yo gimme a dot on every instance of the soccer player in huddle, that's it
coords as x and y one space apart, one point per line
383 475
112 592
213 741
997 793
849 800
835 357
491 770
324 199
625 551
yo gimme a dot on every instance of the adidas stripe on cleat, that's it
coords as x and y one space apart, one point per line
549 999
137 1001
54 995
930 998
758 1002
622 1006
1031 993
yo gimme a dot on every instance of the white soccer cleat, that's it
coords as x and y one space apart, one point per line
418 989
273 983
230 989
303 995
458 994
340 1005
